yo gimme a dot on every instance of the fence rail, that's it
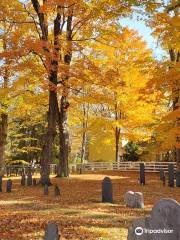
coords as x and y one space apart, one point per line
122 166
89 167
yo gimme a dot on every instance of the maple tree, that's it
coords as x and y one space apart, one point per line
166 28
76 59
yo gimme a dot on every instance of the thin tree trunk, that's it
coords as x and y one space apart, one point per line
117 143
117 130
84 135
3 137
83 148
4 118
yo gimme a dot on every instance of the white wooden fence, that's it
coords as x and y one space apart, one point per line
122 166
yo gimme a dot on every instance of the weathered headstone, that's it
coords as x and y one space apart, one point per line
51 232
46 190
34 182
0 183
23 180
142 174
164 180
107 190
171 175
134 199
29 179
163 223
57 191
9 186
177 178
161 174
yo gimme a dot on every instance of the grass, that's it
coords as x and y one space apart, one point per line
78 212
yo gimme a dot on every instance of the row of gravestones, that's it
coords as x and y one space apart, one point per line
29 180
172 175
162 224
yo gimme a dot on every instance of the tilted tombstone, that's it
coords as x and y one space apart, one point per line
177 178
23 180
107 190
142 174
0 183
171 175
51 232
34 182
46 190
134 199
57 191
29 179
162 224
9 186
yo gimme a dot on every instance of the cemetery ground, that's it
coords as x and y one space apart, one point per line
78 212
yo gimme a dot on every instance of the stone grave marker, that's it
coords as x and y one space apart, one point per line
23 180
177 178
134 199
57 191
46 190
171 175
29 179
161 174
142 174
162 224
164 180
34 182
0 183
9 186
107 190
51 232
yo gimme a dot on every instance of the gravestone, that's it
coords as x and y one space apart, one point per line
9 186
164 180
161 174
134 199
34 182
162 224
107 191
142 174
171 175
0 183
46 190
51 232
177 178
23 180
57 191
29 179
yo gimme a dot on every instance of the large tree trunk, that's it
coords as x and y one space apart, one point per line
49 139
174 57
3 137
63 169
63 139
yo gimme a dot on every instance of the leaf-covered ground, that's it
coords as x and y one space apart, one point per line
78 212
